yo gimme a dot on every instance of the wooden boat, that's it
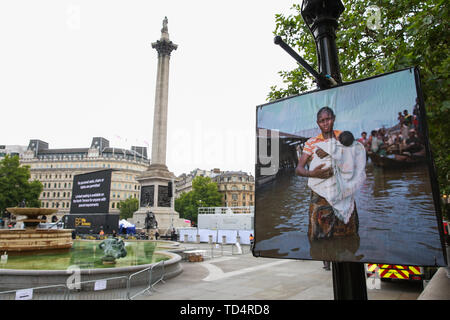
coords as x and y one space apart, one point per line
386 162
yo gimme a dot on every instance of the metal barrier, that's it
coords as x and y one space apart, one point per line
114 288
54 292
154 274
157 276
137 278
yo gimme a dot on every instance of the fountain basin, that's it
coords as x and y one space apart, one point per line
14 279
32 240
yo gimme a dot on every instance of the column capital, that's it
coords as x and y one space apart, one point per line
164 47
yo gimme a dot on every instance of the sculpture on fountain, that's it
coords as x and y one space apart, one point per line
113 248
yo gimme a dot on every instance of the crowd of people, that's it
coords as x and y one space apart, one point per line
401 142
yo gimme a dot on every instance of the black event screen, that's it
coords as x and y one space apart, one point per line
90 192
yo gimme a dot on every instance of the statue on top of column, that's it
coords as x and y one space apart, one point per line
165 21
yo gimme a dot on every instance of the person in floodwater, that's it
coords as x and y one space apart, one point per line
323 222
348 159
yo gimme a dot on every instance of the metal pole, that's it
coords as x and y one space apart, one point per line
349 280
296 56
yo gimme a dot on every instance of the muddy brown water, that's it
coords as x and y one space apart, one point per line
397 220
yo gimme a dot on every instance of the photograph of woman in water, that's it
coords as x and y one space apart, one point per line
332 210
334 198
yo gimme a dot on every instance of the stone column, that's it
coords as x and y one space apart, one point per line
155 181
164 47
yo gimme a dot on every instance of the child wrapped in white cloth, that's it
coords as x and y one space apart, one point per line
348 163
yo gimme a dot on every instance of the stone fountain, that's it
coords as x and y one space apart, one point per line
32 239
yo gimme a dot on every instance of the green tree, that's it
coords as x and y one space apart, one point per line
205 193
378 36
128 207
15 185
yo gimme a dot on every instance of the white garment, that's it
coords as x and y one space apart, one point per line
349 167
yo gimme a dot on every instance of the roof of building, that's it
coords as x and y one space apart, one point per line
59 151
136 151
234 173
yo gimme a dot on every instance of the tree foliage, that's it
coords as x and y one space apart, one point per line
128 207
15 185
379 36
205 193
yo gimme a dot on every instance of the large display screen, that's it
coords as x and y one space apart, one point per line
90 192
346 175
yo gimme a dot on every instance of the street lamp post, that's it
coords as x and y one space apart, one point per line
321 16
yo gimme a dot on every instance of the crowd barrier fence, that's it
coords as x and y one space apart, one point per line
113 288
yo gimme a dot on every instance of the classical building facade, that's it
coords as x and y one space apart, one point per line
55 169
237 187
183 183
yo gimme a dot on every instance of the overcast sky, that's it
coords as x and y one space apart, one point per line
72 70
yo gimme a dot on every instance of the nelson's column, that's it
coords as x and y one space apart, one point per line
157 194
